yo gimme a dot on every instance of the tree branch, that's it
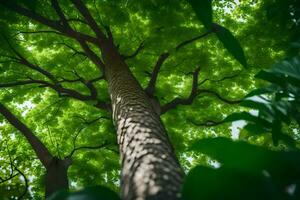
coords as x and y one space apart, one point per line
194 93
77 20
40 149
38 69
162 58
26 183
89 19
60 14
22 60
219 80
64 27
135 53
186 42
94 58
11 176
150 89
57 86
207 123
79 131
48 22
91 121
88 147
62 92
73 49
20 83
228 101
36 32
184 101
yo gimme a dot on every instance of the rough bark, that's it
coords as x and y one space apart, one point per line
150 169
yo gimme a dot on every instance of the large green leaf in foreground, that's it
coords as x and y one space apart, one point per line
247 172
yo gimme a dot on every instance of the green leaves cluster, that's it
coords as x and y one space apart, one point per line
203 10
277 104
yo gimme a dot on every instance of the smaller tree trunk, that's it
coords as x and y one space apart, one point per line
56 176
56 169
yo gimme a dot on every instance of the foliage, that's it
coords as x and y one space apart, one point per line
277 103
247 172
204 12
64 123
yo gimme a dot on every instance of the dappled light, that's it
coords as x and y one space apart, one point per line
149 100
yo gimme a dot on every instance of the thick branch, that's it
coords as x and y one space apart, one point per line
40 149
60 13
94 58
89 19
162 58
184 101
151 85
194 93
38 69
31 14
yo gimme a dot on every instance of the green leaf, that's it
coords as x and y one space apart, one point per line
207 183
203 10
230 43
269 89
255 128
249 158
247 117
283 73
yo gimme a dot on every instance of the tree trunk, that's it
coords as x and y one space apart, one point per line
150 169
56 176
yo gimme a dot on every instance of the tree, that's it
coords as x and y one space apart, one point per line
56 168
73 52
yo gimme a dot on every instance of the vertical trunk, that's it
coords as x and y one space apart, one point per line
56 176
150 169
